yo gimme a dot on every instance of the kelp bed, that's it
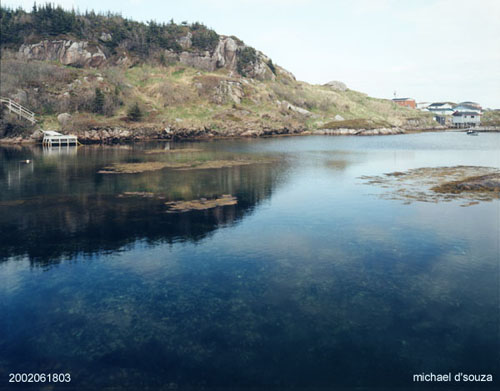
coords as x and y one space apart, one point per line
201 204
136 168
169 151
185 205
436 184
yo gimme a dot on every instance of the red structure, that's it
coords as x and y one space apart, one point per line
407 102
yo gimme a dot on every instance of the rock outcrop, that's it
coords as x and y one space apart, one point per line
228 91
299 110
226 53
75 53
186 41
92 55
336 85
64 119
225 56
20 97
106 37
361 132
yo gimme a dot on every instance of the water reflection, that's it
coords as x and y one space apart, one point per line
313 282
58 206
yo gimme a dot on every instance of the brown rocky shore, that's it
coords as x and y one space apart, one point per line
116 135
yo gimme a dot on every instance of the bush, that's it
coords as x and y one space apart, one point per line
98 105
246 58
205 39
271 66
134 113
173 94
24 74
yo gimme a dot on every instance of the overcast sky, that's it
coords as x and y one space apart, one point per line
431 50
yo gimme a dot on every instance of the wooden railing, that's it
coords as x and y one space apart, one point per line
16 108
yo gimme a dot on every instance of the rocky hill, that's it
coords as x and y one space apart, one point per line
110 78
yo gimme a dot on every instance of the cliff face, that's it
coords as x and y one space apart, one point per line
93 55
67 52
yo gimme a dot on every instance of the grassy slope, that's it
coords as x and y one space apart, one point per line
180 96
491 118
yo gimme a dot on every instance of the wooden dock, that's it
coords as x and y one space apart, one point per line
50 137
53 139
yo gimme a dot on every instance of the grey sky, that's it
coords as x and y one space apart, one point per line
431 50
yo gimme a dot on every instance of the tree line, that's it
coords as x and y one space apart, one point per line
49 21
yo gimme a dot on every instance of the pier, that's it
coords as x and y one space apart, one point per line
52 138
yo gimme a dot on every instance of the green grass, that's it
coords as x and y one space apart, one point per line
359 123
491 118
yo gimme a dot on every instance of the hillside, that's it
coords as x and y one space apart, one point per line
88 73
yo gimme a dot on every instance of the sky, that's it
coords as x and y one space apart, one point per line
429 50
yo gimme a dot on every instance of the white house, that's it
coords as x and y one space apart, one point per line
442 112
423 105
441 108
468 106
465 119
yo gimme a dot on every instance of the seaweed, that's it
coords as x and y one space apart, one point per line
439 184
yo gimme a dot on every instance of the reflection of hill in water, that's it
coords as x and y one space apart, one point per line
74 211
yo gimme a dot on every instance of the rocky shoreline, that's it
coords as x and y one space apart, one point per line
117 135
487 129
361 132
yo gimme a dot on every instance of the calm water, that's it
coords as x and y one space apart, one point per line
311 281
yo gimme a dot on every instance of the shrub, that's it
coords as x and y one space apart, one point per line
271 66
205 39
134 113
163 60
173 94
98 105
237 40
246 58
207 84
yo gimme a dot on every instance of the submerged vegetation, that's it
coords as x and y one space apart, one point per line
195 164
200 204
136 168
168 151
479 184
437 184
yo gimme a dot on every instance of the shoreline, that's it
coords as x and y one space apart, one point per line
110 136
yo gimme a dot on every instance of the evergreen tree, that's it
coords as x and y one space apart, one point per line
134 113
247 57
98 104
271 66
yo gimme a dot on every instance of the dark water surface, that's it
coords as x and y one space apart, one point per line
311 281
